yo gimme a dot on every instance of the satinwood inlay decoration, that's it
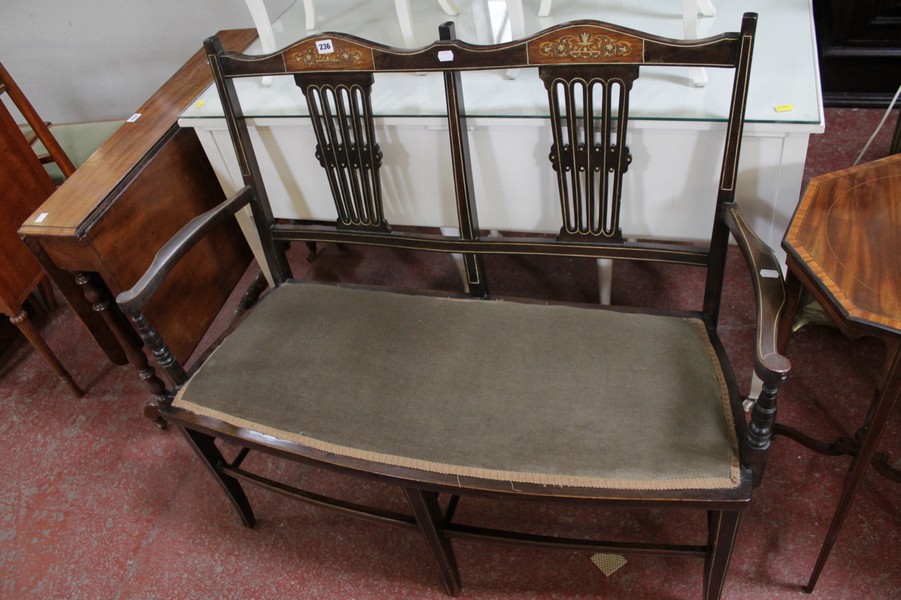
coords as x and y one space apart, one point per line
590 45
585 46
327 53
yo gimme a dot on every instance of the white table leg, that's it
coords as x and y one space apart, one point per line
544 9
706 8
264 29
449 7
458 258
698 75
605 279
756 387
517 28
309 11
405 20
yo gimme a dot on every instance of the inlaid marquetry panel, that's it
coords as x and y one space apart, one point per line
587 44
327 53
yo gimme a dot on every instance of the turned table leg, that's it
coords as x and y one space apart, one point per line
97 295
31 333
68 288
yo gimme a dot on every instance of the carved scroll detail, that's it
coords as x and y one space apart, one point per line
97 294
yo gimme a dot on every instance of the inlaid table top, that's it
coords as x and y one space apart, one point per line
846 237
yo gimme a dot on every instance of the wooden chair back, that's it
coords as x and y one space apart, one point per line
588 69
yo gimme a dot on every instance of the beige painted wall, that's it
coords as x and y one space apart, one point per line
92 60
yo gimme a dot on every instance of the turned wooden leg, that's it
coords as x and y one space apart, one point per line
67 287
723 527
31 333
428 517
252 293
127 339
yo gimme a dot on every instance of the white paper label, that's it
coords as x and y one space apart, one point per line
133 118
40 217
325 47
769 274
445 55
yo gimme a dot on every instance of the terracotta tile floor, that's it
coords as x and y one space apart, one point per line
95 502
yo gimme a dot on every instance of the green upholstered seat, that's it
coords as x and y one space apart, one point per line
500 390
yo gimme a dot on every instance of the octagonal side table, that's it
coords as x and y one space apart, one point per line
844 247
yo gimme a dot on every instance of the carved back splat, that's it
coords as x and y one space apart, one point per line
341 112
589 118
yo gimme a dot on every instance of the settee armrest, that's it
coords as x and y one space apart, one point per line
133 300
771 366
167 257
769 291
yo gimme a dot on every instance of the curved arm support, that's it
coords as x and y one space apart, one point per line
172 251
770 366
769 289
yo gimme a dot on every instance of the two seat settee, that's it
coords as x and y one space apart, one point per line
451 395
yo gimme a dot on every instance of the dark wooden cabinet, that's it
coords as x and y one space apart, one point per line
860 50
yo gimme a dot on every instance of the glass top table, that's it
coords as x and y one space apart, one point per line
672 121
784 90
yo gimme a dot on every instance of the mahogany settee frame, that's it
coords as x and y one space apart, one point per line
572 59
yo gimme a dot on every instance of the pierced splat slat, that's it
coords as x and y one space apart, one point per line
341 113
589 118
